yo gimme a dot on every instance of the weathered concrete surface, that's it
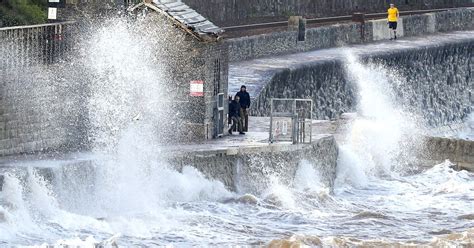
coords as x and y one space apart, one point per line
279 43
435 150
242 163
250 168
239 159
443 60
231 12
381 32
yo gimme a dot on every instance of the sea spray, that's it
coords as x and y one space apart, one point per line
137 195
132 189
376 137
127 110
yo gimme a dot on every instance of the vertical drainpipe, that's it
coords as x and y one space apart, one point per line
360 18
2 180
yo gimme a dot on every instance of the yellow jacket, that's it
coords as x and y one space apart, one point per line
392 14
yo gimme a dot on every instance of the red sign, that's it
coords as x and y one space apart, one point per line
197 88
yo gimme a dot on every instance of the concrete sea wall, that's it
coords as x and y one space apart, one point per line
250 168
232 12
324 82
435 150
279 43
436 80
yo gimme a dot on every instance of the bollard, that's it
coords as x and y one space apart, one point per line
2 214
360 17
298 23
293 23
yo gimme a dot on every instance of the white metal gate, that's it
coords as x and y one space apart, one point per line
291 120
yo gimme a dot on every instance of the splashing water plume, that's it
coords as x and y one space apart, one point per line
376 137
129 196
121 92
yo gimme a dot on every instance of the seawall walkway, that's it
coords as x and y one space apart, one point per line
257 73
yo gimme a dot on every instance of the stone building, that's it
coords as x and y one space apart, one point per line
196 66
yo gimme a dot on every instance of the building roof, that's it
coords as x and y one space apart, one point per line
187 18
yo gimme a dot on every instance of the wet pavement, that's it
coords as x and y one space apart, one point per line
258 136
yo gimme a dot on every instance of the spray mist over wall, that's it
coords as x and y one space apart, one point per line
124 97
378 134
125 84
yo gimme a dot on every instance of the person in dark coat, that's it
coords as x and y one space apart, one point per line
245 105
234 115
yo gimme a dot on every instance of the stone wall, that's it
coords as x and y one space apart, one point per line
279 43
323 82
246 169
435 150
249 169
40 112
232 12
45 96
184 59
436 82
41 107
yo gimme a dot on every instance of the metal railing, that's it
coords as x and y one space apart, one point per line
23 46
332 19
291 120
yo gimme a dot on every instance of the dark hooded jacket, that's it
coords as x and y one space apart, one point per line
244 99
234 109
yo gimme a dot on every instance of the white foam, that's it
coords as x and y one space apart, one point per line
307 177
375 136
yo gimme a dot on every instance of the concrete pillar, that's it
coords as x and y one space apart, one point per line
431 24
293 23
381 32
2 214
298 23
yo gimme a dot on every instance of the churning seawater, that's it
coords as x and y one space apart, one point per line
135 199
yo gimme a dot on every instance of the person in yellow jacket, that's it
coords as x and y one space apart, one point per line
392 19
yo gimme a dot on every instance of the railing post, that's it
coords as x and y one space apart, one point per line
271 121
360 18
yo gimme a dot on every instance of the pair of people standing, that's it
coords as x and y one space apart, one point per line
392 19
238 111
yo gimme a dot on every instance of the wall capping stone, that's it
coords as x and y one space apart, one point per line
342 34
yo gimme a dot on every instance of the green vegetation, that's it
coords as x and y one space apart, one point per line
22 12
